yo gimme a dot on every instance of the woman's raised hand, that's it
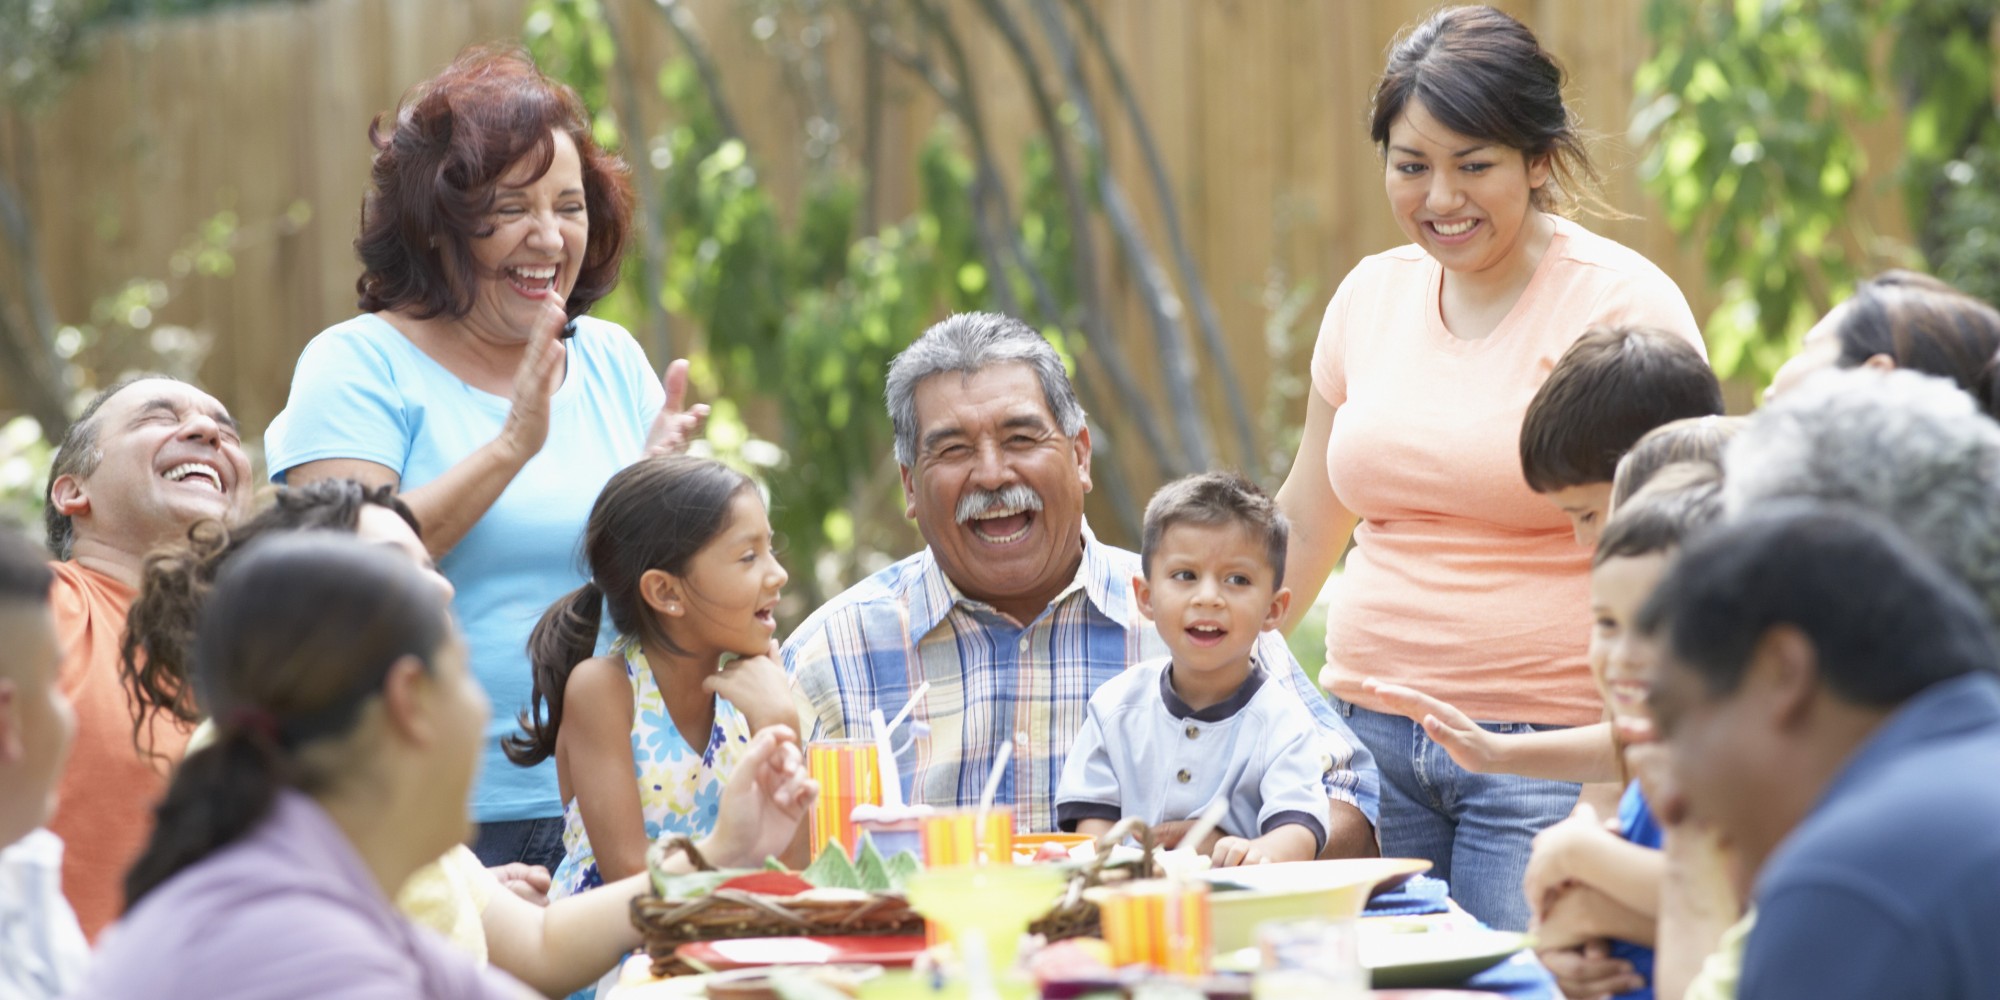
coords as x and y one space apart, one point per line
675 428
535 383
1469 746
763 803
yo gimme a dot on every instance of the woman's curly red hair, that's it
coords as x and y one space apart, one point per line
436 170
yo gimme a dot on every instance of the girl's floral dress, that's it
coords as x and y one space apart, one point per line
680 790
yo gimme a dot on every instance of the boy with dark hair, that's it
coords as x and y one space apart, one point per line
38 931
1611 387
1170 737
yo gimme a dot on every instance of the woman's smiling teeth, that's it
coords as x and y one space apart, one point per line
533 280
1454 228
195 470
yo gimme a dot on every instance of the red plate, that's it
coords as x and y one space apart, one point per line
752 953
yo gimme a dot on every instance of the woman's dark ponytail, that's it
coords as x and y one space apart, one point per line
293 643
219 793
565 637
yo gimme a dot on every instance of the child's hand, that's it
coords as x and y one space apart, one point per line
1168 835
1589 971
757 686
1552 862
1470 747
763 803
530 882
1232 851
1291 842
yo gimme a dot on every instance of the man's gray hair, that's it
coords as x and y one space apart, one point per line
972 342
1909 447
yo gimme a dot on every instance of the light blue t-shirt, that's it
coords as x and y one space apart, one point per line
363 391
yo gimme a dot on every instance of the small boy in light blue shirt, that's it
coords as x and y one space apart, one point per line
1208 723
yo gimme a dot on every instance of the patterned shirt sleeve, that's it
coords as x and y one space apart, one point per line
1352 778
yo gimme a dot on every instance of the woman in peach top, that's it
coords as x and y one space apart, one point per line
1463 582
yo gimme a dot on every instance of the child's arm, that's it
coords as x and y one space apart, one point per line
1087 798
1291 842
595 747
1291 805
1581 850
1698 904
1580 914
566 945
1095 827
1581 753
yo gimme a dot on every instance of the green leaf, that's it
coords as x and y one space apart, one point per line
832 869
870 867
902 868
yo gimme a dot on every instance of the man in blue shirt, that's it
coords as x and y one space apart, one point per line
1828 699
1013 612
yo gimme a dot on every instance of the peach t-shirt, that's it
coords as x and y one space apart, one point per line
104 809
1463 582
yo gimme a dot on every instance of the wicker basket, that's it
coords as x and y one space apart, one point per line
665 925
1075 916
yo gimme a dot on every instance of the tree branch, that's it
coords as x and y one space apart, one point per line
1207 320
683 25
1096 329
658 331
34 370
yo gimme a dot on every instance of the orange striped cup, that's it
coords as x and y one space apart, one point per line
954 837
1161 923
848 776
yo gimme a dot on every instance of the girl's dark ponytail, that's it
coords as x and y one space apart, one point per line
565 637
219 793
653 514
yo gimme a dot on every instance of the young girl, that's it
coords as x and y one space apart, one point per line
644 737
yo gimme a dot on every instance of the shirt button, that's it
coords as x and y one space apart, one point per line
1184 777
1193 731
1024 645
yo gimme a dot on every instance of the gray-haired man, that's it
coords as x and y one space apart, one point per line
1013 612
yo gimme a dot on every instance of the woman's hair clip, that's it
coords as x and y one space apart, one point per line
568 331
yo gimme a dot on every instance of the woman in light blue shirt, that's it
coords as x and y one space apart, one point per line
474 384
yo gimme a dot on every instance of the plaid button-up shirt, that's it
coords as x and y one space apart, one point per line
993 679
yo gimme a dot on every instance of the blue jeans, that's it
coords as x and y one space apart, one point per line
529 841
1475 829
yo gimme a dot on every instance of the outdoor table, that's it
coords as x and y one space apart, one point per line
1520 977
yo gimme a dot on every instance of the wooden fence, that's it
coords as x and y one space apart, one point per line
1258 107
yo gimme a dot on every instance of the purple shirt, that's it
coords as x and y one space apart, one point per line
287 911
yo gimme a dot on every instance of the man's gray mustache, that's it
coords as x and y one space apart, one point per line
977 501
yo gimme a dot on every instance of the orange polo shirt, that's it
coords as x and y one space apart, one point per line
1463 582
104 809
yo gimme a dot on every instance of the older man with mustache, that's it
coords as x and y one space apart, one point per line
1014 612
148 458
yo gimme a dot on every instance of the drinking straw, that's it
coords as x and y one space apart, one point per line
892 780
986 796
921 690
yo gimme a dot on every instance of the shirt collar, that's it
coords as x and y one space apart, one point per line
932 594
1945 710
1221 711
